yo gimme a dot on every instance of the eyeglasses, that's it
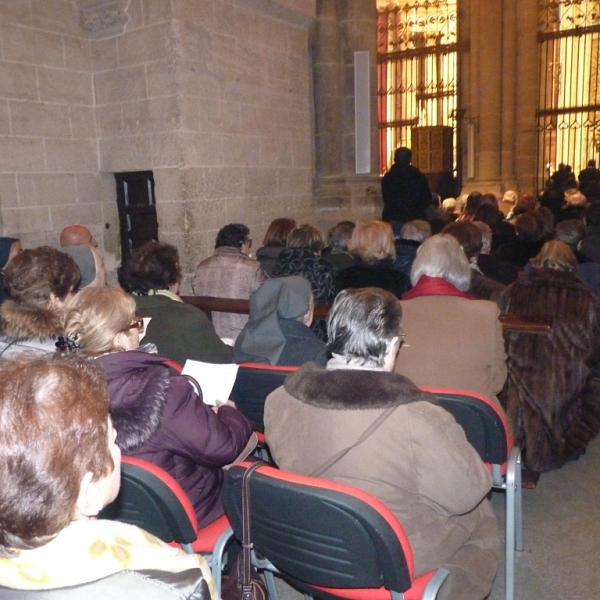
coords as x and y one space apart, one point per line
139 323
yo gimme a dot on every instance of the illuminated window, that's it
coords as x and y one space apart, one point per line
417 81
569 108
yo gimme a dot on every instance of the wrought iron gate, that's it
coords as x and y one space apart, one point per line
569 114
417 70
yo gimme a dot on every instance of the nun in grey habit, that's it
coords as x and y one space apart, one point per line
278 330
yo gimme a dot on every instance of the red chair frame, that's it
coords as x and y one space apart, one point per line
151 499
328 539
487 430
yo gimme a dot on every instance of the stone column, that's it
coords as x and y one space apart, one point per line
527 84
342 29
485 93
508 94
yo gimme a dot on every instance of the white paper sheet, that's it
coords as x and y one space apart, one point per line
216 381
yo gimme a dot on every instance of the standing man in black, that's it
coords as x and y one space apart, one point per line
405 190
589 181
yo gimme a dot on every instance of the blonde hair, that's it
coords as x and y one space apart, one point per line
373 240
555 255
94 317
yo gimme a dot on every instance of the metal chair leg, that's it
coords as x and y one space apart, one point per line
216 562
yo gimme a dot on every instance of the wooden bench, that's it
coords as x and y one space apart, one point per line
209 304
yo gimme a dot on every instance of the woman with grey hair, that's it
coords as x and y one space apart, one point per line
452 339
426 472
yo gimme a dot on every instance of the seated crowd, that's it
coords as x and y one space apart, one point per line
409 309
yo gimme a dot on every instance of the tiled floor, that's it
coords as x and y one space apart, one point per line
561 520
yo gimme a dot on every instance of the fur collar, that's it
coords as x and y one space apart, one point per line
21 322
138 392
352 390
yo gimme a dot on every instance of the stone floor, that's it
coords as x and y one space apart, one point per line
561 520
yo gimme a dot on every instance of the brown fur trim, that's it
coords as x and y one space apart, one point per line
352 389
20 322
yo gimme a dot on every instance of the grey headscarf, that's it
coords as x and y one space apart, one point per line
262 339
84 258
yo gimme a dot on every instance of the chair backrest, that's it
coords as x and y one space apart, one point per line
151 499
484 424
254 382
320 533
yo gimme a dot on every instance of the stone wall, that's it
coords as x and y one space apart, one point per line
213 96
48 149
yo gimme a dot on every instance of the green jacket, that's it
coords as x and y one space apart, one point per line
181 331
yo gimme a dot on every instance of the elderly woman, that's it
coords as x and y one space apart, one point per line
38 282
452 339
551 400
157 414
179 331
274 243
59 466
374 250
230 272
425 470
303 257
278 331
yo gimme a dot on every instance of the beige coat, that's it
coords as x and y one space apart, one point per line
418 462
453 342
228 273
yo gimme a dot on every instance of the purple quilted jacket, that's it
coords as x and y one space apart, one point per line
160 418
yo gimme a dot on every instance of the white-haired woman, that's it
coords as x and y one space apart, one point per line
452 339
417 461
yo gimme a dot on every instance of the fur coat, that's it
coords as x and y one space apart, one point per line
418 462
552 405
27 328
160 418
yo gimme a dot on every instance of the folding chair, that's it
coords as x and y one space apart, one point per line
328 539
151 499
254 382
486 429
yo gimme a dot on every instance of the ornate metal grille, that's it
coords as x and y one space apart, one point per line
417 70
569 111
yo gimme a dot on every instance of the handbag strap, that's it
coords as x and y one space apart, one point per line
366 433
247 590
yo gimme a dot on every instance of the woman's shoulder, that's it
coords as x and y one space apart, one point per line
352 389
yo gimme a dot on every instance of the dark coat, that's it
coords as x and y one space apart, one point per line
267 257
589 182
376 274
485 288
591 243
406 194
553 409
498 270
181 331
406 250
303 262
520 251
160 418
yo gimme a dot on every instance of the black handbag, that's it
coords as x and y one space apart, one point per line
244 582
